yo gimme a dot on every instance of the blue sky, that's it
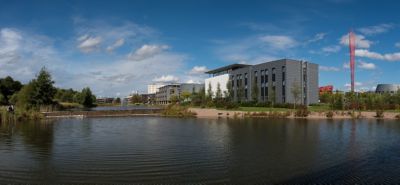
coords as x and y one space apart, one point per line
116 47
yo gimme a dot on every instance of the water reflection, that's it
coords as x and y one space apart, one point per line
171 150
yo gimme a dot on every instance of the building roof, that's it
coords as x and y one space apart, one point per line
228 67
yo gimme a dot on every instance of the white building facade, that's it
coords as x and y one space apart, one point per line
153 88
222 80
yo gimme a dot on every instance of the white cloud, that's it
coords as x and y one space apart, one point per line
279 41
361 42
361 65
366 65
377 29
166 79
374 55
346 65
355 84
331 49
317 37
328 68
88 44
146 51
118 43
198 70
22 54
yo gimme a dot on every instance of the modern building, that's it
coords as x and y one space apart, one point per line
387 88
165 93
153 88
270 81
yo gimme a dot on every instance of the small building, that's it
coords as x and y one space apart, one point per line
326 89
104 100
387 88
273 81
167 92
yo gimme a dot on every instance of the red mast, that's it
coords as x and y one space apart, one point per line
352 46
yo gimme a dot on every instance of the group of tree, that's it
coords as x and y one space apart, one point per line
40 92
361 101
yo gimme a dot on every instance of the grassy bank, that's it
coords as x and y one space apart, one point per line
176 110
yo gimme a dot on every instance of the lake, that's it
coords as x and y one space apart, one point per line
152 150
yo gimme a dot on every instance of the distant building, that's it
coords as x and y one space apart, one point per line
153 88
165 93
104 100
326 89
274 81
387 88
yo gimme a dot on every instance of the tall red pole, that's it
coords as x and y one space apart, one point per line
352 46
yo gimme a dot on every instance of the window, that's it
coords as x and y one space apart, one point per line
245 79
245 93
262 76
266 76
266 92
283 73
237 81
273 74
255 77
262 92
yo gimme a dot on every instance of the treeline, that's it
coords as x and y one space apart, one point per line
361 101
40 93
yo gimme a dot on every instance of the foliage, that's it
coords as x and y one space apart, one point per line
218 94
302 111
87 99
8 87
379 114
210 94
44 90
136 98
66 95
177 110
329 114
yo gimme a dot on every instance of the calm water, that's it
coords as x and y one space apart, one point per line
170 150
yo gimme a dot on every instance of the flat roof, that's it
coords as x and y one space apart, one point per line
225 68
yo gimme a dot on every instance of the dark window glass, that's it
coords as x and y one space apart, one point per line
245 79
273 74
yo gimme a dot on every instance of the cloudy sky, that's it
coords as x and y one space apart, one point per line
116 47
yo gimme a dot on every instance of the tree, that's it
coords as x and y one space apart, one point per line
44 91
230 93
218 94
136 99
186 96
117 100
25 99
255 91
87 99
296 92
8 87
210 93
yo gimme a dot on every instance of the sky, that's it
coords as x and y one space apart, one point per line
117 47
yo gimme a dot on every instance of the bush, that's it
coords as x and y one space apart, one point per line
397 116
329 114
302 111
178 111
379 114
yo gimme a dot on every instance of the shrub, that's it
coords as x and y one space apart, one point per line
178 111
302 111
379 114
329 114
397 116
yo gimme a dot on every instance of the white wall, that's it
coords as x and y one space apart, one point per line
221 79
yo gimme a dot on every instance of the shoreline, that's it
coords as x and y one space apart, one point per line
215 113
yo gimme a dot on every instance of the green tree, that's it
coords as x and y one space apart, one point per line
136 99
87 99
25 99
44 90
218 94
210 93
229 92
186 96
8 87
